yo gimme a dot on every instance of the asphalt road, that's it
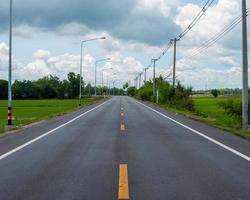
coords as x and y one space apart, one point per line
123 149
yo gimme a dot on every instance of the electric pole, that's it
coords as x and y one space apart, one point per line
113 87
174 65
244 68
154 60
145 74
136 80
10 71
140 80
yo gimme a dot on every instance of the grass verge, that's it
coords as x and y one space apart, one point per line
209 111
29 111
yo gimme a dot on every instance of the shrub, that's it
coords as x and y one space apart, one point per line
131 91
232 107
178 97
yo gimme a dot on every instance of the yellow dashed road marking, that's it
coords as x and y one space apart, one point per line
122 127
123 192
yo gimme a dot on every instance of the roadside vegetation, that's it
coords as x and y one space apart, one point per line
220 108
51 87
47 97
29 111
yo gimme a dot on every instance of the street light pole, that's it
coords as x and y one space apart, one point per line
101 60
103 77
244 68
80 84
10 71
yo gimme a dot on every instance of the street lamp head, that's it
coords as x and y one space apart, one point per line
108 59
102 38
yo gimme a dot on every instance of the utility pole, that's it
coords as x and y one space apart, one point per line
145 74
140 80
174 66
113 87
10 71
102 82
129 83
136 82
154 60
244 68
95 77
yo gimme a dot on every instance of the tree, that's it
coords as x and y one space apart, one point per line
3 89
215 93
74 81
125 86
131 91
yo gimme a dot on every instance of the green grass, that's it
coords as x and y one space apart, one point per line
215 114
29 111
209 111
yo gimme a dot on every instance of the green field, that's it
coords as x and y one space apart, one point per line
214 113
28 111
209 111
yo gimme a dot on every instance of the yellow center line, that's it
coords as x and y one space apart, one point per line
123 182
122 127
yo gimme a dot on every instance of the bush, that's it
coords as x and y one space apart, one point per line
178 97
131 91
145 93
232 107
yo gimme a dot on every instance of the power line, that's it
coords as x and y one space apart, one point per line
196 19
165 50
215 38
192 24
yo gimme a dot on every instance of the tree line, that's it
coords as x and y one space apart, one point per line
51 87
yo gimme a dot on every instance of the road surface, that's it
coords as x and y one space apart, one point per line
123 149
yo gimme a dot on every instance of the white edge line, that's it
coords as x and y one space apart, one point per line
49 132
200 134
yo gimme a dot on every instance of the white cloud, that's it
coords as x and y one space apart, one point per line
157 7
211 78
41 54
215 18
44 64
218 66
4 56
73 28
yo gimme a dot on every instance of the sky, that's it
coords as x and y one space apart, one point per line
47 36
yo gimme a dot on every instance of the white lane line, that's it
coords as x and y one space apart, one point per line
49 132
200 134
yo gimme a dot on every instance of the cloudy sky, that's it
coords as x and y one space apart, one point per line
47 36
